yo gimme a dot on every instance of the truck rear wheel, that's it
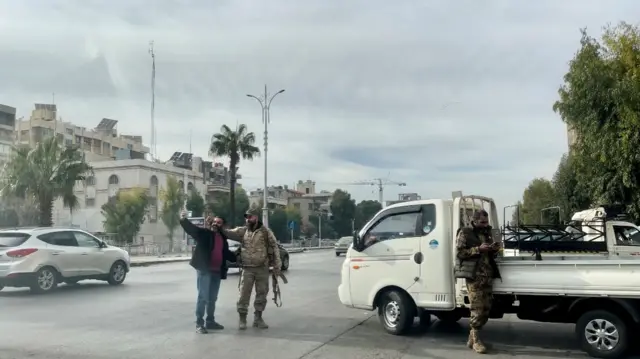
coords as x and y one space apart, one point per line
396 312
602 334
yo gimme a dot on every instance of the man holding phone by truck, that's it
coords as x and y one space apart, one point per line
475 262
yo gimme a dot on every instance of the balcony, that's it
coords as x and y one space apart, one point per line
277 201
214 187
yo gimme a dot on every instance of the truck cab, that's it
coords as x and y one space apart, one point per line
410 246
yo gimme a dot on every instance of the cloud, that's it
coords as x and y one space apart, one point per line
441 95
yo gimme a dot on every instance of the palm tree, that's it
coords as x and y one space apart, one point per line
236 145
46 172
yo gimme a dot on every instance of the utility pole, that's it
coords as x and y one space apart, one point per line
265 104
153 101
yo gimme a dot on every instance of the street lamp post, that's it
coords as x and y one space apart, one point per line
265 104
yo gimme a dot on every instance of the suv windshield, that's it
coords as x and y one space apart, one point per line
12 239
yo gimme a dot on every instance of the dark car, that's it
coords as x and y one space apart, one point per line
342 245
284 255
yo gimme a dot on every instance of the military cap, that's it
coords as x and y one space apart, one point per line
252 211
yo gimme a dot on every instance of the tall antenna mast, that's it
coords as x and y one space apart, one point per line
153 101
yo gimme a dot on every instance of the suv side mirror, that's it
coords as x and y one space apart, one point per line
103 245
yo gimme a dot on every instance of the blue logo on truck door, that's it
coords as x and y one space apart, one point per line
433 244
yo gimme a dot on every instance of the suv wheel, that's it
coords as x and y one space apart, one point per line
117 273
46 280
602 334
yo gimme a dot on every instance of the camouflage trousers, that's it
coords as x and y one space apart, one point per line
480 293
251 277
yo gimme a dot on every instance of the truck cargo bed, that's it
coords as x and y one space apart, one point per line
571 276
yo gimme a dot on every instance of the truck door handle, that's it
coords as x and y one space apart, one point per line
84 254
418 257
55 253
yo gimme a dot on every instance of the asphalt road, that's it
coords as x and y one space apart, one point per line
151 316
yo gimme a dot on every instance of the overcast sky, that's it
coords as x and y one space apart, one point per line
442 95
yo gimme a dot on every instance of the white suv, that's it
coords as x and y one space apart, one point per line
40 258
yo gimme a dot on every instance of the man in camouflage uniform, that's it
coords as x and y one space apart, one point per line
476 263
259 251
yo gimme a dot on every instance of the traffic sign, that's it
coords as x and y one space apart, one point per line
292 224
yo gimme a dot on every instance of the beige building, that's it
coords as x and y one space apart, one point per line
7 130
100 143
110 177
304 198
277 196
215 175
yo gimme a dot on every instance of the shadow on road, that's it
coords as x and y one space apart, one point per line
64 289
532 339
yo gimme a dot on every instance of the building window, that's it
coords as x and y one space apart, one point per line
89 202
190 187
296 206
91 181
306 190
311 206
113 179
114 182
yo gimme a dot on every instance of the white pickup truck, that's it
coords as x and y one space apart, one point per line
401 263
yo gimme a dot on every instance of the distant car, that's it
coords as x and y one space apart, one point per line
41 258
284 254
342 245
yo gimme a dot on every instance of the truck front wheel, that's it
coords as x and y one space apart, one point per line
396 312
602 334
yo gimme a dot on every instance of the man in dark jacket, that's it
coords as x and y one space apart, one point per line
209 258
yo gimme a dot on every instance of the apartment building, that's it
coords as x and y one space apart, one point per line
7 128
215 175
304 198
277 196
102 143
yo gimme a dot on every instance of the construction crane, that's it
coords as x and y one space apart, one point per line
381 183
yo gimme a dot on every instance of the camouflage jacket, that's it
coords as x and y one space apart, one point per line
470 263
259 247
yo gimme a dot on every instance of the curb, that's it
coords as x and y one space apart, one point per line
186 259
154 262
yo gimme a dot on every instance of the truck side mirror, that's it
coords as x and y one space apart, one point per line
357 242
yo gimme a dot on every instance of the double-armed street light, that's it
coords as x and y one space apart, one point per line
265 104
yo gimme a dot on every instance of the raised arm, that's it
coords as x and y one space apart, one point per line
273 250
463 248
236 234
194 231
